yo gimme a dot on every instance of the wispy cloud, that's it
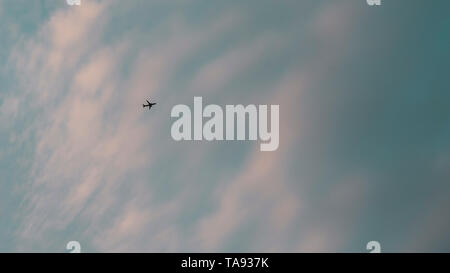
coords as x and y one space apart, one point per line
90 136
106 173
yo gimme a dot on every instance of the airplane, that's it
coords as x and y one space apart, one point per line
149 105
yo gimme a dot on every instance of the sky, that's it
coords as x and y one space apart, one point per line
364 152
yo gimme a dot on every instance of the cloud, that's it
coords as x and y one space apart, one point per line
259 192
108 173
262 197
9 110
90 138
238 60
68 168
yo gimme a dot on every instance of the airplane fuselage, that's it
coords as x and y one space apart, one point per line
149 105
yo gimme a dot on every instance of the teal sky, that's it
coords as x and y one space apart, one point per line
364 95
